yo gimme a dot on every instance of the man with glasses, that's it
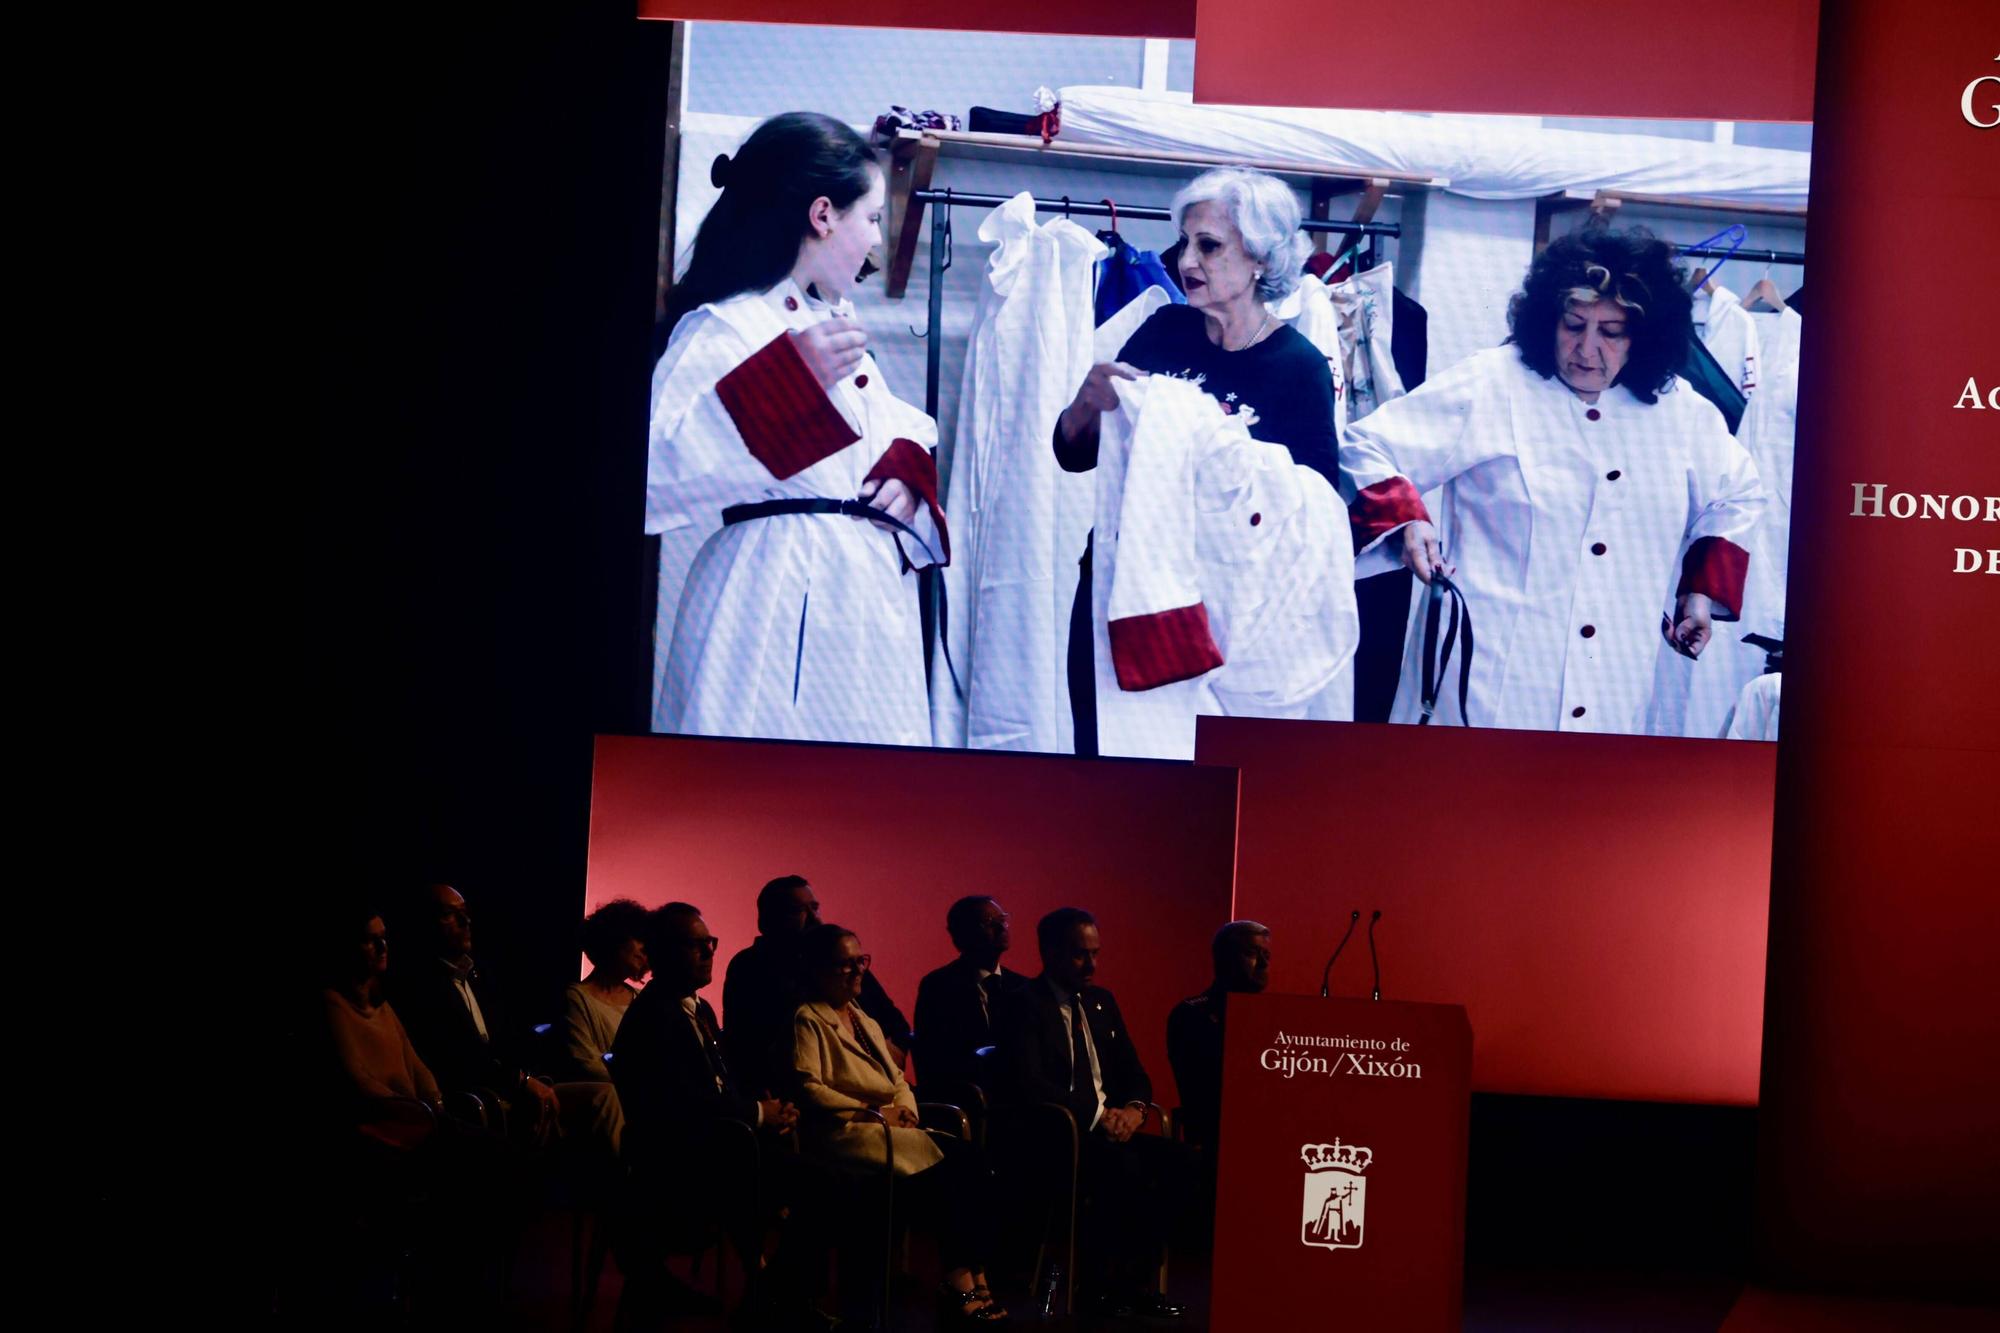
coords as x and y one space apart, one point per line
453 1015
955 1003
675 1082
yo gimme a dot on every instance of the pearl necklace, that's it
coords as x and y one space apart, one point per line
1261 328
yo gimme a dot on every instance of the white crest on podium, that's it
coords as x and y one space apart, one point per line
1333 1214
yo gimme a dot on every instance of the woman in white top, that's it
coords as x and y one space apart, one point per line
774 433
614 942
1589 501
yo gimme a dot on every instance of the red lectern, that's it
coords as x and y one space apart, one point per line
1341 1170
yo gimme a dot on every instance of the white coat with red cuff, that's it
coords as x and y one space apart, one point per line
1571 527
1224 580
799 626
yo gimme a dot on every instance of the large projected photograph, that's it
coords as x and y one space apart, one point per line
1008 399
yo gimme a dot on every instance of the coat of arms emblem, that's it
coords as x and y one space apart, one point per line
1336 1195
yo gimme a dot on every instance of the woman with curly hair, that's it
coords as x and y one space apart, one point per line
1589 500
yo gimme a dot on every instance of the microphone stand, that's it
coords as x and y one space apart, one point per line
1326 973
1373 956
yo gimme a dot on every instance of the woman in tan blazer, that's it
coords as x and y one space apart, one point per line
846 1079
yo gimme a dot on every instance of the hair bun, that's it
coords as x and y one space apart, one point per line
718 171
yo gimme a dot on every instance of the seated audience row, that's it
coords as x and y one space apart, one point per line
813 1057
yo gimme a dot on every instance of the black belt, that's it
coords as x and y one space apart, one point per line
1437 664
744 513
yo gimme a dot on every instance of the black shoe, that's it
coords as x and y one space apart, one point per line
1152 1305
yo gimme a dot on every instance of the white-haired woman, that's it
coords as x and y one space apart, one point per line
1243 251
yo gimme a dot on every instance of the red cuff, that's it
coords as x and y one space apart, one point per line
1164 647
1716 568
912 464
1384 506
781 411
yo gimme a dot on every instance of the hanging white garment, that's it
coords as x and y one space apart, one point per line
1755 717
1364 306
1729 334
1224 580
1769 432
798 626
1019 520
1695 697
1568 526
1114 333
1309 309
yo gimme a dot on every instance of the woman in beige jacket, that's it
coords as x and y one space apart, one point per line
847 1081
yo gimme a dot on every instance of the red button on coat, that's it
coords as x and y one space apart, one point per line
791 303
1588 631
1613 475
1593 414
860 381
1255 519
1576 711
1598 549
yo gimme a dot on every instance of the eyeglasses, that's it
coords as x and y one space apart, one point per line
709 945
993 921
861 964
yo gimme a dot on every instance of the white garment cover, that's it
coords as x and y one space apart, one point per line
1193 513
1528 496
1755 717
1019 520
1486 161
1364 307
1309 309
801 626
1729 333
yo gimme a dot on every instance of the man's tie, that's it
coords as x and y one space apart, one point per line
1080 1071
989 986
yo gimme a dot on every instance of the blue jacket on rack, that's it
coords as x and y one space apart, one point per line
1125 273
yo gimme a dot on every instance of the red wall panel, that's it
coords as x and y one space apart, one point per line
1596 902
890 837
1883 1009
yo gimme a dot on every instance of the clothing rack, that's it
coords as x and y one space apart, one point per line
1742 253
943 200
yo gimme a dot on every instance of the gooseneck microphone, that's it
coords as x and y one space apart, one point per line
1372 955
1326 973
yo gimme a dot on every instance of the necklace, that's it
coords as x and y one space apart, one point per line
1253 337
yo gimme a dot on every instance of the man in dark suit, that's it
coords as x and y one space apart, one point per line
1241 952
675 1084
454 1017
955 1003
1062 1039
763 990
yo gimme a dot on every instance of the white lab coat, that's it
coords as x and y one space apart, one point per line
1020 521
800 626
1527 497
1242 556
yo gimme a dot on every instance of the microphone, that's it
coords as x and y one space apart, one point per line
1373 956
1327 972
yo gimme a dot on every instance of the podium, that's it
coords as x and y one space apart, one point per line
1340 1192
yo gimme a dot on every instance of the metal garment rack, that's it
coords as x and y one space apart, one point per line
1742 253
940 221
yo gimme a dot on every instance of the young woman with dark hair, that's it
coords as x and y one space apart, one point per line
1590 502
773 432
